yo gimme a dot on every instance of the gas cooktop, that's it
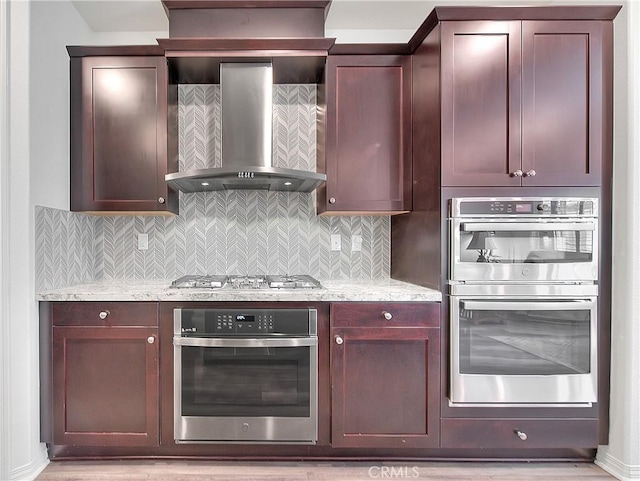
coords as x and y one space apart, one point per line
246 282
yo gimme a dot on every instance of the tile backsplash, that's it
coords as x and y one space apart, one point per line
234 232
64 248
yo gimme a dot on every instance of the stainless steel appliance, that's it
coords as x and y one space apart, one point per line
524 240
245 375
246 137
523 301
247 282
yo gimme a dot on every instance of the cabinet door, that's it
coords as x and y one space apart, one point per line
562 103
480 89
368 134
105 386
385 387
119 134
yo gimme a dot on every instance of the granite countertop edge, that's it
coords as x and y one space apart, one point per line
384 290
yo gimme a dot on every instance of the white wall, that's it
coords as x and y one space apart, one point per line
22 454
4 226
622 456
35 171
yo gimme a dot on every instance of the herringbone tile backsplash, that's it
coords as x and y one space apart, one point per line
235 232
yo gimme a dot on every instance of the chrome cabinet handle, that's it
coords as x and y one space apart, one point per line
530 173
160 200
339 340
517 173
103 315
332 200
387 315
151 339
521 434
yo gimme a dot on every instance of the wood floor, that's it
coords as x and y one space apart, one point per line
314 471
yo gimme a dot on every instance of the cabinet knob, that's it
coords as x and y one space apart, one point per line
103 315
521 434
332 200
151 339
517 173
160 200
339 340
530 173
387 315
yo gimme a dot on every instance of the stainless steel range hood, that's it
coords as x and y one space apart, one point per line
246 91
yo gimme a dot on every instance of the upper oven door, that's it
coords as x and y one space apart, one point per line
524 249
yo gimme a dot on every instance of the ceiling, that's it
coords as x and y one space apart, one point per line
344 15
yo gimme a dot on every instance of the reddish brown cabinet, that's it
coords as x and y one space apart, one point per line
522 103
385 362
119 121
519 433
104 374
368 135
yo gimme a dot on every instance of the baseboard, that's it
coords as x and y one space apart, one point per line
33 469
615 467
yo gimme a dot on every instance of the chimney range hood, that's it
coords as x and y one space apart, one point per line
246 91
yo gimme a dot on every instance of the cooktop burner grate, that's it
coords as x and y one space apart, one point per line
246 282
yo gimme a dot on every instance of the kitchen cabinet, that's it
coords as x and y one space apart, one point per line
367 155
522 103
119 122
519 433
385 363
104 374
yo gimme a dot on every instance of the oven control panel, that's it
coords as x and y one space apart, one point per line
523 207
244 322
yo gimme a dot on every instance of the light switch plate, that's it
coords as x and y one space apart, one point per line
356 243
143 242
336 242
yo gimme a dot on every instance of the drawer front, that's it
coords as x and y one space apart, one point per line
105 314
519 433
385 314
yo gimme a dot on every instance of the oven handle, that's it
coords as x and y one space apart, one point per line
570 305
223 342
526 226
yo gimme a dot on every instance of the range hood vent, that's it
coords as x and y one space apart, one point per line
246 91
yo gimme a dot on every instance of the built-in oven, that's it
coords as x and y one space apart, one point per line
524 345
523 301
523 240
245 375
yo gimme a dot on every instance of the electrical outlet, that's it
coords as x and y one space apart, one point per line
143 242
336 242
356 243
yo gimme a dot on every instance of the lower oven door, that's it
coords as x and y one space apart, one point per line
245 390
523 351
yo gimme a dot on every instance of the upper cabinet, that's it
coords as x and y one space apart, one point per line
367 155
119 152
522 103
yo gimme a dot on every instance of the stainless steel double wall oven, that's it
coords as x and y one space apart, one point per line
523 301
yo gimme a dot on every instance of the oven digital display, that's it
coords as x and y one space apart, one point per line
524 208
245 318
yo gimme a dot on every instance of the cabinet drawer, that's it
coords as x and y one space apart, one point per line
385 314
519 433
114 313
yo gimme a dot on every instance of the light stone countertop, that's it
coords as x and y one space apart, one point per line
384 290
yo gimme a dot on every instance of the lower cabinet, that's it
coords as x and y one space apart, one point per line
519 433
385 366
105 374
